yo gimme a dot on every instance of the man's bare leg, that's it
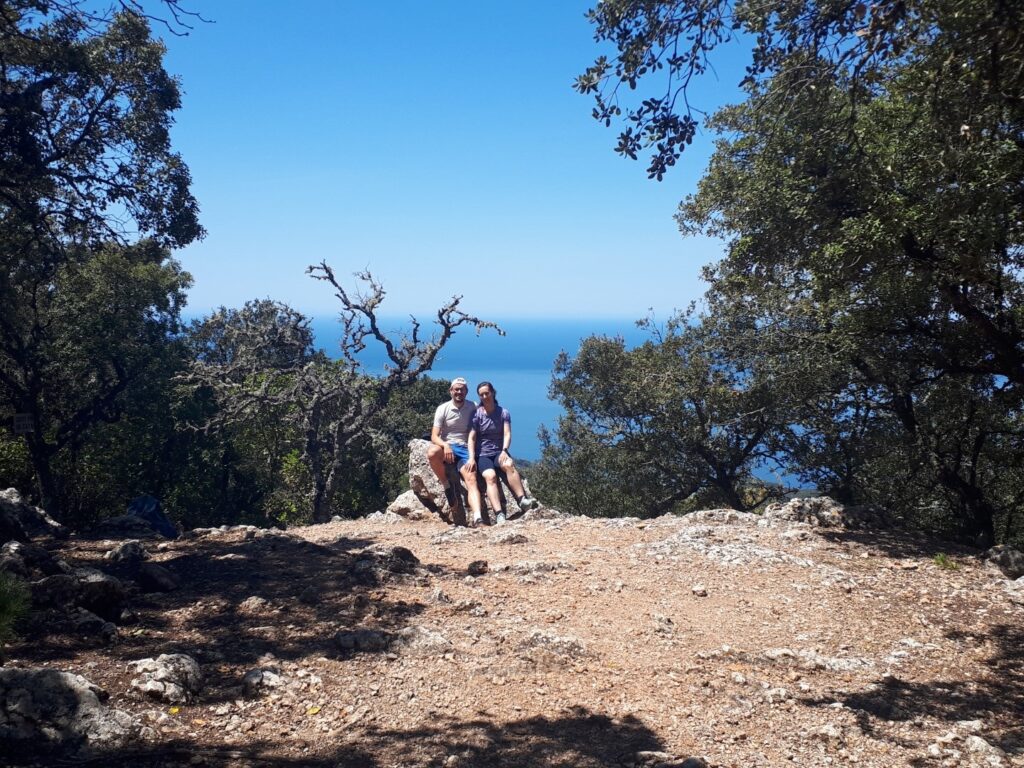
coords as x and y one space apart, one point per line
435 455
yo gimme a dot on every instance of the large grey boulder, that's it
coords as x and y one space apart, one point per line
171 677
427 489
45 711
1009 560
423 481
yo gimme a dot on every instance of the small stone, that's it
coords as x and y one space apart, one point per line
477 568
699 590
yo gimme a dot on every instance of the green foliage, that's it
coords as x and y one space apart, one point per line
945 562
15 599
93 197
868 191
656 428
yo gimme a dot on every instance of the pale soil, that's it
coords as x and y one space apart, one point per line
584 644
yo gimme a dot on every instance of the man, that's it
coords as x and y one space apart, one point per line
449 439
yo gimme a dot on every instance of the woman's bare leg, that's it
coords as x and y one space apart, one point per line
514 481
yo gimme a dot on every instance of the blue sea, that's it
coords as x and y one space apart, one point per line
518 364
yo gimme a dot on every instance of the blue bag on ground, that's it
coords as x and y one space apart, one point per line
148 508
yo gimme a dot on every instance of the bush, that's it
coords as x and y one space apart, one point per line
14 603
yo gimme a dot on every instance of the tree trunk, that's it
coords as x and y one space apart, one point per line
41 455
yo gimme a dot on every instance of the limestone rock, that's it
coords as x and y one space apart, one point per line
559 645
27 559
171 677
419 639
88 623
422 480
408 505
821 511
33 521
258 681
379 563
101 593
129 552
45 710
1009 560
254 605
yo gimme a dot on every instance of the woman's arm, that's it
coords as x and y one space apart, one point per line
504 459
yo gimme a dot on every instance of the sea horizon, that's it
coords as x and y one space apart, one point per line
518 364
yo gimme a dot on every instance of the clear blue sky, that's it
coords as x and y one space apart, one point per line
440 145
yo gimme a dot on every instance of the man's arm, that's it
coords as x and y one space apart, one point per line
435 438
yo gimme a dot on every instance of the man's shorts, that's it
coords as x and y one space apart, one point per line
461 453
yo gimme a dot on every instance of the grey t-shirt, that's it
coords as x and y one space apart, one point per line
453 422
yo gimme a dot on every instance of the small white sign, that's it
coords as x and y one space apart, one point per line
23 423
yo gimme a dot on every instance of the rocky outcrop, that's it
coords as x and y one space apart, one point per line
20 520
45 711
827 513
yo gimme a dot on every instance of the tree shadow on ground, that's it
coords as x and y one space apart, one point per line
242 600
579 739
898 544
996 698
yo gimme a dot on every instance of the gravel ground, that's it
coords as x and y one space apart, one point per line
719 639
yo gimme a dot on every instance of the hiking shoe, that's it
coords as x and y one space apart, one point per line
527 503
499 518
476 522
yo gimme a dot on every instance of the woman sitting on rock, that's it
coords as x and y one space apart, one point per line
489 440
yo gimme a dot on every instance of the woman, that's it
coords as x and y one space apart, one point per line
489 439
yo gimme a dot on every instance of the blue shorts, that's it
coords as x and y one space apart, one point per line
461 453
489 462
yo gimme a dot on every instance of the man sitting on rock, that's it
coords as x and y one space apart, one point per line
450 443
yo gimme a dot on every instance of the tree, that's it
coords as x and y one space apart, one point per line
673 417
868 191
91 196
333 405
76 347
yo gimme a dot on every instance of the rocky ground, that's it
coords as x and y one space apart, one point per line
719 639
